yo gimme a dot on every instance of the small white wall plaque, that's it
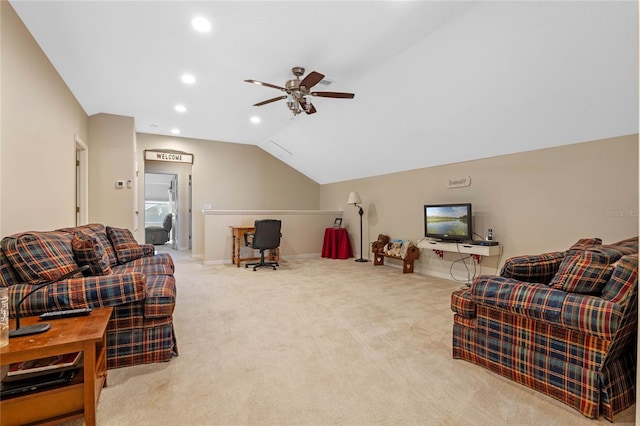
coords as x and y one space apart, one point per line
459 182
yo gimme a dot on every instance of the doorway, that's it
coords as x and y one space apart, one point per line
160 201
170 184
82 182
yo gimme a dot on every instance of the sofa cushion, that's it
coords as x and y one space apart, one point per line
125 245
533 268
585 242
38 257
533 300
585 313
89 251
631 243
585 272
99 232
592 315
8 275
150 269
623 281
154 259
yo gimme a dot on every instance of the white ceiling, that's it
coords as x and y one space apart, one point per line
436 82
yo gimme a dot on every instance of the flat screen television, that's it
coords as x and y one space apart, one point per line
448 222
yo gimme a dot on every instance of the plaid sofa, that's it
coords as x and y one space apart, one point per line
562 323
122 273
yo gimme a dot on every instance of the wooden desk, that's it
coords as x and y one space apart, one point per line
75 400
237 241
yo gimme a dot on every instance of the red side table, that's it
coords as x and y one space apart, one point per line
336 244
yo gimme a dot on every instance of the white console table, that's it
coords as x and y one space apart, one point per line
476 251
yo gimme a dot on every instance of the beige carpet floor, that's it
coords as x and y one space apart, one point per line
318 342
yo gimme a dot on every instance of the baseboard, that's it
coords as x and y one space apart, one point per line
282 258
216 262
301 256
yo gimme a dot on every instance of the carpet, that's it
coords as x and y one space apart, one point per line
318 342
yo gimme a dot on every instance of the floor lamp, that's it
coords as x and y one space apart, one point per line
354 198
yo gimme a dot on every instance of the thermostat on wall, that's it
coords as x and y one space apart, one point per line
119 184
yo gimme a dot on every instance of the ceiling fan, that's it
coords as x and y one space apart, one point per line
298 92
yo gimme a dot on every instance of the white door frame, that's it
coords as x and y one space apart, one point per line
82 181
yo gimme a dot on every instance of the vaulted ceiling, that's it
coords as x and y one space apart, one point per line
435 82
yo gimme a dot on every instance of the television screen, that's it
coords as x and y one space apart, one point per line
450 222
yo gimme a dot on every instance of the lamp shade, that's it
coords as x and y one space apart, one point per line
354 198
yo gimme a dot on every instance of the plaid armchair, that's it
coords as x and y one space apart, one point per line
562 323
122 273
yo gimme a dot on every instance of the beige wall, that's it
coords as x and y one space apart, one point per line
112 158
302 232
534 201
232 176
39 120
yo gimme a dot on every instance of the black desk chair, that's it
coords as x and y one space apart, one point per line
266 236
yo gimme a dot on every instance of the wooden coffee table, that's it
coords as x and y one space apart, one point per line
77 399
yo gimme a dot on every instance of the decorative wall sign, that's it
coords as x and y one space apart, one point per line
170 156
459 182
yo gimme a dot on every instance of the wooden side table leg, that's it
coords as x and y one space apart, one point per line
90 383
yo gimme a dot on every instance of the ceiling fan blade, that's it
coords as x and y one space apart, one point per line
312 79
261 83
268 101
333 95
310 109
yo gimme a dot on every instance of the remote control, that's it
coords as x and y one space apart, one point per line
65 314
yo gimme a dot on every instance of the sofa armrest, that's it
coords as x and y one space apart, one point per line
161 296
539 268
147 250
86 292
592 315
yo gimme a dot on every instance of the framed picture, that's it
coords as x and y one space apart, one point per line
337 223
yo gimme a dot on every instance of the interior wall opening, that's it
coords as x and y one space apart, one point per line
167 189
161 209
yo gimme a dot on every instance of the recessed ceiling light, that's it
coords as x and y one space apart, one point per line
180 108
201 24
188 79
175 131
255 119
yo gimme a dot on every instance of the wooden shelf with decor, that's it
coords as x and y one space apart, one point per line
413 253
